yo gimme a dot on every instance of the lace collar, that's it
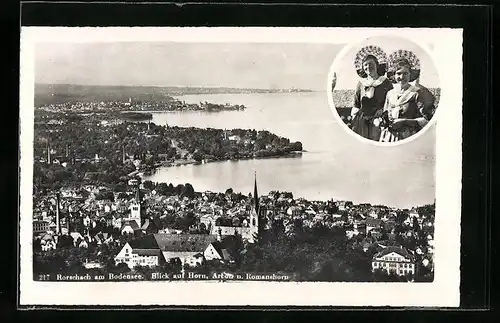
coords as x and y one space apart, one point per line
373 83
405 95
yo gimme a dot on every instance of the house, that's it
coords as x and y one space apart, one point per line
48 245
376 234
81 243
155 249
75 236
129 227
103 237
48 242
389 225
413 213
195 260
219 250
373 213
366 243
344 205
184 246
247 233
41 226
143 251
116 221
372 223
359 226
394 260
207 220
149 227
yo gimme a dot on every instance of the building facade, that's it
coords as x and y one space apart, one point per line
394 260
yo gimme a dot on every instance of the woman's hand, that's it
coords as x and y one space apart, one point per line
404 123
354 111
398 124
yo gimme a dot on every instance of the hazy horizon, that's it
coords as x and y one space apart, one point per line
170 86
169 64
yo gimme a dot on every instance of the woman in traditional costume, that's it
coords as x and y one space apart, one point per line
408 108
371 90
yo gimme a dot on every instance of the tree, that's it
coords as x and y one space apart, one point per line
106 195
65 241
416 226
122 195
149 185
37 245
122 268
120 187
296 146
197 156
163 189
203 228
187 190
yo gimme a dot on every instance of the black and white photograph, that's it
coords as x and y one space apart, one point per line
389 92
239 159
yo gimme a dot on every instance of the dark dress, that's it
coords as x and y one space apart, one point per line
369 109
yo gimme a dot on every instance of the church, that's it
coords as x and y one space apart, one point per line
137 222
247 232
155 248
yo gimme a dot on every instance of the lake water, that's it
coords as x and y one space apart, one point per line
336 165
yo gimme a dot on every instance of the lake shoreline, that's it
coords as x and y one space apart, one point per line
167 164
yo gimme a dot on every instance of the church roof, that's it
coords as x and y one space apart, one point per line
147 252
173 242
132 224
183 242
145 242
149 224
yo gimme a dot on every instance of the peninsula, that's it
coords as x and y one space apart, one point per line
103 148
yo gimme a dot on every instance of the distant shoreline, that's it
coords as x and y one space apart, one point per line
44 88
179 162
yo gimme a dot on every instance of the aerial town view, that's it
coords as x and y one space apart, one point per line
254 181
94 214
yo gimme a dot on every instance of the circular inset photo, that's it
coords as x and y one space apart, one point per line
385 89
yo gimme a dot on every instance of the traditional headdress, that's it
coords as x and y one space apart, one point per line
404 55
366 51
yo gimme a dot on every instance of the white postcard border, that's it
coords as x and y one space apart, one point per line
443 292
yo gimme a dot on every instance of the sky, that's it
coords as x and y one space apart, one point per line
240 65
241 57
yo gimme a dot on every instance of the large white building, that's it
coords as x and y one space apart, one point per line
154 249
394 260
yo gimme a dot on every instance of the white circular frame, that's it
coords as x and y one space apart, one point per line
333 69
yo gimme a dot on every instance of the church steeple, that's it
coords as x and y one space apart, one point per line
48 152
124 158
254 213
138 194
255 194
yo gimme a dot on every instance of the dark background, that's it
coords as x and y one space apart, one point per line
476 252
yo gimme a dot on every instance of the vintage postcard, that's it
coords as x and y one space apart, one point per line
240 166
